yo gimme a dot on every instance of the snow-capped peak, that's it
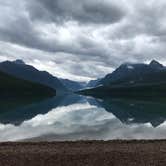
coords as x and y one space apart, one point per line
130 67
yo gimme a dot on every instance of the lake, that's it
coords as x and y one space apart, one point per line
75 117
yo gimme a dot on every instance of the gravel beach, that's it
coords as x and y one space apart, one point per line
84 153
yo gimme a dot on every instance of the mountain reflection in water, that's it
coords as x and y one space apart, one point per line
77 117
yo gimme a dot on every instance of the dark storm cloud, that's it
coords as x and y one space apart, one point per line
21 32
83 11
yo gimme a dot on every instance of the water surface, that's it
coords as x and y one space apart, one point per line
77 117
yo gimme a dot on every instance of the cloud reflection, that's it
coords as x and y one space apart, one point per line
79 121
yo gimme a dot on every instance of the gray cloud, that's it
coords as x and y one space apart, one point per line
94 11
82 40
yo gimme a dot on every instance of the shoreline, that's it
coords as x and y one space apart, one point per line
81 153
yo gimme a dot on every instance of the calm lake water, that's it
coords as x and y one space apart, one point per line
77 117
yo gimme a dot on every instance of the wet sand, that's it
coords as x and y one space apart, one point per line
88 153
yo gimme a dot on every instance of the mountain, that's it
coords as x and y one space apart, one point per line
13 88
134 73
93 83
21 70
73 85
155 64
128 73
133 80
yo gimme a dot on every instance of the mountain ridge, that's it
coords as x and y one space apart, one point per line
130 72
21 70
12 88
132 80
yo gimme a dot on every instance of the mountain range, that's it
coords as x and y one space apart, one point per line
14 88
127 80
129 73
132 80
20 69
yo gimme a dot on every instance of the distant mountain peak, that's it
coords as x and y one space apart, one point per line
19 61
155 63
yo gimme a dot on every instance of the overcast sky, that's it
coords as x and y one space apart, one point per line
82 39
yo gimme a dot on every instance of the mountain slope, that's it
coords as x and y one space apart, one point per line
20 70
72 85
93 83
144 90
132 80
135 73
11 87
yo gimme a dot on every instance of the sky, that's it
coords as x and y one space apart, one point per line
82 39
